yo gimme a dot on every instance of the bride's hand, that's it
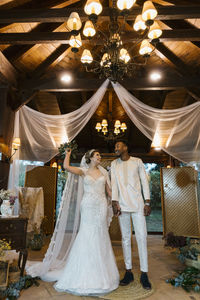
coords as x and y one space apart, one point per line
68 151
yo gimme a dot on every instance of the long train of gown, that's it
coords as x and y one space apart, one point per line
91 267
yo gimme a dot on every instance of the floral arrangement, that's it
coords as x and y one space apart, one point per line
4 246
72 145
7 195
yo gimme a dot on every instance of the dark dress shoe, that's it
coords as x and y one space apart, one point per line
145 281
128 278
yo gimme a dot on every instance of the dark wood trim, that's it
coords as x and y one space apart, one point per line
55 85
63 37
61 14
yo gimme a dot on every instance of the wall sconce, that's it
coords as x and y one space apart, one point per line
15 146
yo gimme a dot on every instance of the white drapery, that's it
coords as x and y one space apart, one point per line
176 131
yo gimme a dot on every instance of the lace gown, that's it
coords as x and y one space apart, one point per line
91 268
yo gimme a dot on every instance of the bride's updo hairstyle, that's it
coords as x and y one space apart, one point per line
90 154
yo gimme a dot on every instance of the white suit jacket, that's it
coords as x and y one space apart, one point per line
130 184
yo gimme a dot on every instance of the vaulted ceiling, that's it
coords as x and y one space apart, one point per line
34 52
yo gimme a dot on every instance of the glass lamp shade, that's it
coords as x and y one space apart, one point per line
93 7
16 143
139 23
123 127
117 124
98 126
89 29
104 123
86 57
104 130
54 165
145 48
75 41
125 4
154 32
149 12
116 131
105 58
74 22
123 55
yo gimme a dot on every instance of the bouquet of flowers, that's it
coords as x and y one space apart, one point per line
72 145
7 195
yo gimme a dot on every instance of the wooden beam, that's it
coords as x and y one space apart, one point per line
182 68
183 24
172 57
23 97
63 37
40 70
61 14
54 85
7 70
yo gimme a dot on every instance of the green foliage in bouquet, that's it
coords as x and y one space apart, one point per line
72 145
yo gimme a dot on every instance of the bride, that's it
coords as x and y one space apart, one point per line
88 267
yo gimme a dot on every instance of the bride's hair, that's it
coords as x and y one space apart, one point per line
90 154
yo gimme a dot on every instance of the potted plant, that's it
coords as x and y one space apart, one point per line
4 265
7 201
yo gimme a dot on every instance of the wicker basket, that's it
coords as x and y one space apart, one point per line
4 271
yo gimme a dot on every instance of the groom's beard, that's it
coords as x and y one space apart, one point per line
118 154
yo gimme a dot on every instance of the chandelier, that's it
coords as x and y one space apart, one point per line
116 61
111 133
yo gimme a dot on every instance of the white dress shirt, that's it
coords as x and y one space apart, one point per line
129 184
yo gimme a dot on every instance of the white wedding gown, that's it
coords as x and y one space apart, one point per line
91 267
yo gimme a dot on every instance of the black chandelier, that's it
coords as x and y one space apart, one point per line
111 131
115 62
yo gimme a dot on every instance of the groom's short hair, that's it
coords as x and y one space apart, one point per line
125 142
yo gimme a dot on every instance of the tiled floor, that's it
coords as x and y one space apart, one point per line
162 264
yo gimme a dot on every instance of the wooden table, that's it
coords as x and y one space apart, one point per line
14 230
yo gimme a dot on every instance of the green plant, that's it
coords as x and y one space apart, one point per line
13 290
188 279
189 251
72 145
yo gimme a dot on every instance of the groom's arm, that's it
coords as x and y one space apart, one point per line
145 188
115 193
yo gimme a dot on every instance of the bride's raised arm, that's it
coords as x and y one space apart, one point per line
66 164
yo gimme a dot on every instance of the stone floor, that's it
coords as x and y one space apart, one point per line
162 264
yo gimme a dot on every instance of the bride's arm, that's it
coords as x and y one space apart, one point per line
108 190
66 164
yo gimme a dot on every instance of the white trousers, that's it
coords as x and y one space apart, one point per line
139 223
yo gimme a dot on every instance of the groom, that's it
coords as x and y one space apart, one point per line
129 181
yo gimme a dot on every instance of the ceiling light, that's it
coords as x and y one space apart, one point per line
66 78
155 76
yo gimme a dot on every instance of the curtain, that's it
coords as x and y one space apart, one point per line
176 131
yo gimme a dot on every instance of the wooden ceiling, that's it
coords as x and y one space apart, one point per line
34 52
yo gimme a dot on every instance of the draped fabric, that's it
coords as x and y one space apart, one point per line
42 134
176 131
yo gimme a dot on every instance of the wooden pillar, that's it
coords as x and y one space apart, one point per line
6 133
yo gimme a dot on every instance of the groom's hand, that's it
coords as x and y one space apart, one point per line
147 210
116 208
